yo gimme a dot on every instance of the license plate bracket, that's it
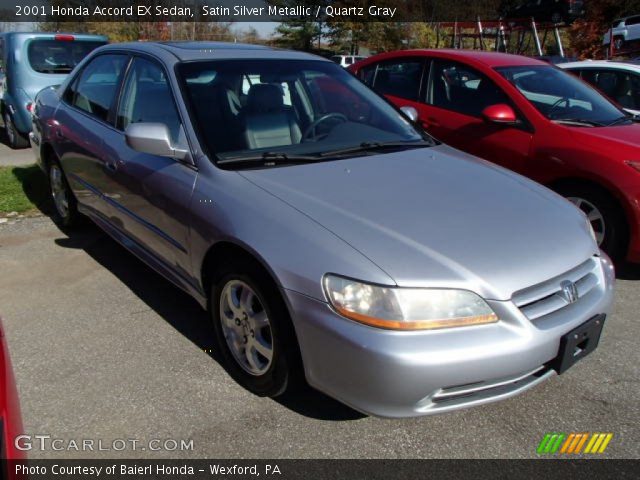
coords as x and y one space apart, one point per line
578 343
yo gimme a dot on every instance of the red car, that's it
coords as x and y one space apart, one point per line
10 422
531 117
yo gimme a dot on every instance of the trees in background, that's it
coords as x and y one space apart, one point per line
585 34
147 31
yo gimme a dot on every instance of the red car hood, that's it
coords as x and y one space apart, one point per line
628 135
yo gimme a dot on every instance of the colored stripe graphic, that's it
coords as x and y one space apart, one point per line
573 443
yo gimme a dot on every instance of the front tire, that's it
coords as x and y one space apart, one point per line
15 139
254 331
604 214
65 207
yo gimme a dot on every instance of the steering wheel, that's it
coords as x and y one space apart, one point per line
312 127
561 100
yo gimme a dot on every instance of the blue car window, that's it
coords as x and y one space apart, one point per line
97 85
147 98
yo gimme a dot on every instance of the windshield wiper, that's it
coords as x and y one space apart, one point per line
619 120
372 146
269 158
580 122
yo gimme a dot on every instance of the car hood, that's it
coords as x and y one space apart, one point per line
439 217
627 135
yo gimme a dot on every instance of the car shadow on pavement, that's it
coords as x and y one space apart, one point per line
184 314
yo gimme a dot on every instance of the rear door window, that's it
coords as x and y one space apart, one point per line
633 20
96 87
620 86
58 56
400 78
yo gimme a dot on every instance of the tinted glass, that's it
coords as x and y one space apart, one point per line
57 56
559 95
147 97
367 74
95 90
462 89
620 86
288 106
400 78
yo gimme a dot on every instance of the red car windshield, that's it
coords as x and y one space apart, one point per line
560 96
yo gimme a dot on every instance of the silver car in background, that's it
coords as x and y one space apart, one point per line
330 238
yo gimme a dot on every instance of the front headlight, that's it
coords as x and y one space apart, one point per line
406 308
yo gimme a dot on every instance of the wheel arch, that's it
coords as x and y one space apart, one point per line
47 155
226 251
604 187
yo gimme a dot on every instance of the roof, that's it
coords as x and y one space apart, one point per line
602 63
474 57
490 59
190 50
79 36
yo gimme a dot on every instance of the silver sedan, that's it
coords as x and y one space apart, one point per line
330 238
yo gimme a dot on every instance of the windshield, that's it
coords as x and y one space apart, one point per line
58 56
287 107
561 96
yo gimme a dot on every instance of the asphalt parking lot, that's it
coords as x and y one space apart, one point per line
103 348
13 157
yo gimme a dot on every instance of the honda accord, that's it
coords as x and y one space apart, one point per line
330 239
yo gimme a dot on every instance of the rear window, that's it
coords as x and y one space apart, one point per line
58 56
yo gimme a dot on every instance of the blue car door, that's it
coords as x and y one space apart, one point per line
82 122
151 193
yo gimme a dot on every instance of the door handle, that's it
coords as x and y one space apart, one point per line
111 166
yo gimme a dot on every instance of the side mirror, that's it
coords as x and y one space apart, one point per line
500 114
410 112
154 139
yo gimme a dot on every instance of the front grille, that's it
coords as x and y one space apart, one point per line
546 298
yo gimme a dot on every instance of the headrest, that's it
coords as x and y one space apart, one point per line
265 97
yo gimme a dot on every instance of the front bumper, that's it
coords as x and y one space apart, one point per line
402 374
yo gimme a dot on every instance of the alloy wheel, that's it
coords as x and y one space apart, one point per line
594 215
59 191
246 327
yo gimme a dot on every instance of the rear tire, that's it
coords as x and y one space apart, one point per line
606 217
254 332
65 206
14 138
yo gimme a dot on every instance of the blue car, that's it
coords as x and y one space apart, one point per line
30 62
